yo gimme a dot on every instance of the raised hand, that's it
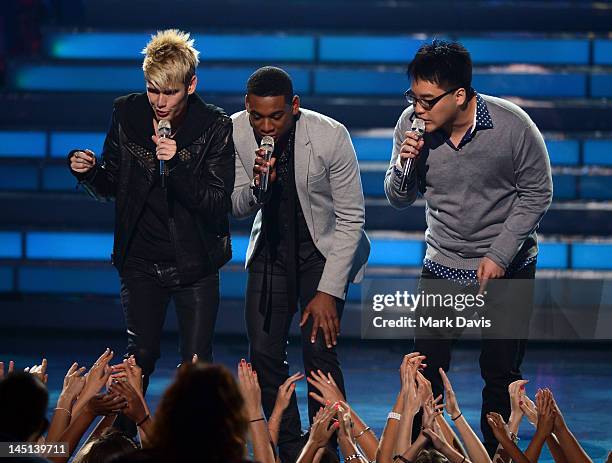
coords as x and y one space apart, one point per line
425 391
452 406
529 409
345 424
129 371
324 425
249 386
105 404
74 381
559 419
412 403
134 407
11 368
431 410
95 379
327 387
516 390
499 428
285 390
40 371
546 412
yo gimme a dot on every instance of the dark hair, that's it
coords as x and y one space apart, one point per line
271 81
203 405
109 445
23 406
447 64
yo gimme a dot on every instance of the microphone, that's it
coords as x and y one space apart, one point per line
267 144
418 126
163 129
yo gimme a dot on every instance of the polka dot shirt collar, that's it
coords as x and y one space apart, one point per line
482 121
482 118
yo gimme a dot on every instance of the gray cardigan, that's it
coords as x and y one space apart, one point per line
329 189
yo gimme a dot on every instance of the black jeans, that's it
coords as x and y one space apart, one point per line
268 349
146 289
500 363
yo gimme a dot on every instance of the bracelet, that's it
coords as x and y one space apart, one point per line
367 428
147 416
402 458
456 418
394 416
65 409
258 419
514 438
354 456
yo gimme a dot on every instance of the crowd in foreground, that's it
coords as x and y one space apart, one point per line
206 414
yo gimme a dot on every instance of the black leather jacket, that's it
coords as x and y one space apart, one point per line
200 181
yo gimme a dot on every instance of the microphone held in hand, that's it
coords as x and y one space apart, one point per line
418 126
267 144
164 129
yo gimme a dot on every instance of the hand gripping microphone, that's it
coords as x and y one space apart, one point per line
267 144
418 126
163 130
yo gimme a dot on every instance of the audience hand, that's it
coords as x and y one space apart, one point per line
452 406
329 390
516 390
324 425
104 405
11 368
134 407
285 391
40 371
499 428
249 386
73 385
546 412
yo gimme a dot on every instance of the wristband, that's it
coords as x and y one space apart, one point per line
147 416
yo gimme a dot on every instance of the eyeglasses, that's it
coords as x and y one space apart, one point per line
426 104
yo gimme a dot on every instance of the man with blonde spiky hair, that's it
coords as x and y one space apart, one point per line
171 236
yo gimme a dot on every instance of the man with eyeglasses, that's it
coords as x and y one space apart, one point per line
483 170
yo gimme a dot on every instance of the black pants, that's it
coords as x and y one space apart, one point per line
146 289
268 349
500 363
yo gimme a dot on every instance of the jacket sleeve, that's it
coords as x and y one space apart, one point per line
534 187
207 188
393 177
244 203
102 180
349 209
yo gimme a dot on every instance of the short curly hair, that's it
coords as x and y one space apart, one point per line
170 58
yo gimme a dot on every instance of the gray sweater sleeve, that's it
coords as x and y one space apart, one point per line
393 178
534 187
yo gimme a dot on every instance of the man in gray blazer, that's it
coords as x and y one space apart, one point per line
307 242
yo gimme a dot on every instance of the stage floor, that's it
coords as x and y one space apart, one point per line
579 376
